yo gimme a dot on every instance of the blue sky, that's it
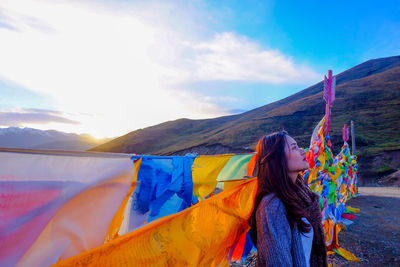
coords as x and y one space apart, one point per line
110 67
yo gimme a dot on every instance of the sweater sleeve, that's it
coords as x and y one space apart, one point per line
274 236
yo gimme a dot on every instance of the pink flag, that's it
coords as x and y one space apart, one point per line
329 96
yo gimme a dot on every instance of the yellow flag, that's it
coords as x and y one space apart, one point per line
205 171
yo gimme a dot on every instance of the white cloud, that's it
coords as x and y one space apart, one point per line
123 61
20 117
232 57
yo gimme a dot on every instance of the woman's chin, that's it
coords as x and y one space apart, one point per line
305 167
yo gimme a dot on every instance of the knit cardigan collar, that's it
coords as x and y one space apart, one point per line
310 201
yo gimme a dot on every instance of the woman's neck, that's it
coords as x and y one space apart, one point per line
293 176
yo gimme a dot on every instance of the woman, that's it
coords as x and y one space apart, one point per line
286 223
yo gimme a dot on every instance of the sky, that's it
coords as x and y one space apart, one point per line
110 67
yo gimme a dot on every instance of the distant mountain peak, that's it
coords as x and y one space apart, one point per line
30 138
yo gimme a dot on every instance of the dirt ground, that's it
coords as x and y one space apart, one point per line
374 236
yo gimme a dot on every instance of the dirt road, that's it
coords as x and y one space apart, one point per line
374 237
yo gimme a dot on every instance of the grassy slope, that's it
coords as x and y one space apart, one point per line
367 94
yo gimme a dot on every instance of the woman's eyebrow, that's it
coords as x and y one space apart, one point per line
293 144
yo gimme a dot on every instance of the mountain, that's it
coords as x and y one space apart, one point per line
15 137
368 94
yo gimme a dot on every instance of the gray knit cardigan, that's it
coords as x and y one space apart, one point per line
277 243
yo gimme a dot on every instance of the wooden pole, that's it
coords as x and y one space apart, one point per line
353 139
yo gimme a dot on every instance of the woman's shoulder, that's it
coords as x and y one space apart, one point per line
272 202
272 211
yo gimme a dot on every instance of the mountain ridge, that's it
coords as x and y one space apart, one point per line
368 94
30 138
215 125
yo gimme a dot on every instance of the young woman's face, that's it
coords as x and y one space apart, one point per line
295 156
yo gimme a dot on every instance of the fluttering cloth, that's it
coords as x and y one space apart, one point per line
57 204
201 235
335 180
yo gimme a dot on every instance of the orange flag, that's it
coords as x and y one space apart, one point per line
201 235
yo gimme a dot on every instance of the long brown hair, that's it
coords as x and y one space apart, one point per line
273 177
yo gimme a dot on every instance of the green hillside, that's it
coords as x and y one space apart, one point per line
368 94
